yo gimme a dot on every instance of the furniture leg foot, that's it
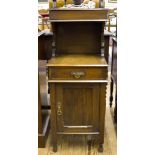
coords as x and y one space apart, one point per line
100 148
55 148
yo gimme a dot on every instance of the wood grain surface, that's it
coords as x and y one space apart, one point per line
78 60
75 14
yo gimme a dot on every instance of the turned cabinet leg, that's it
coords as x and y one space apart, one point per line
111 92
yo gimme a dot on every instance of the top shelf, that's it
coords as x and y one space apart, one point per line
76 15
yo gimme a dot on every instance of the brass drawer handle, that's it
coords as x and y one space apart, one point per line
59 111
77 75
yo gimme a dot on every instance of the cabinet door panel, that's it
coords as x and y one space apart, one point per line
78 105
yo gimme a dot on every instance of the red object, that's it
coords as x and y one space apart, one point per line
45 15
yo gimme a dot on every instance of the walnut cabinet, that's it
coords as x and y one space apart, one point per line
77 73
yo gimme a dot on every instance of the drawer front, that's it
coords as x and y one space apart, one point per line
78 73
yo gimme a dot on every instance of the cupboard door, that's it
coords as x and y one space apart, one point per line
77 107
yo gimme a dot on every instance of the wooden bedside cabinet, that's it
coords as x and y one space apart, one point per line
77 73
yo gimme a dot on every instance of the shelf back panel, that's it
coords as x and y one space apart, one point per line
78 37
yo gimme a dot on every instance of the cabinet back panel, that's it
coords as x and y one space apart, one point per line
78 37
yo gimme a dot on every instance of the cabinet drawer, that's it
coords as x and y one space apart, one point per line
77 73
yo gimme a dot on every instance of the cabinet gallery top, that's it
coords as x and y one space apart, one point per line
80 14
